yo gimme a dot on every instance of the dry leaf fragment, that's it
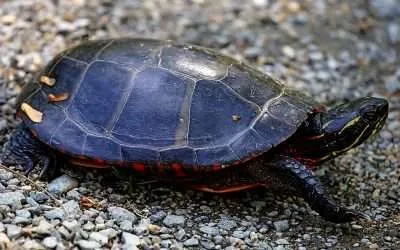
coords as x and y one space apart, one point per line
5 242
33 114
57 97
235 118
88 202
47 80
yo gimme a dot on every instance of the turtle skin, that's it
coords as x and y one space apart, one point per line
151 104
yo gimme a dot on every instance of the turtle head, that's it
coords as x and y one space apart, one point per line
352 123
328 134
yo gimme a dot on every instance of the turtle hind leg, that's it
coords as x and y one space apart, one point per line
305 185
25 151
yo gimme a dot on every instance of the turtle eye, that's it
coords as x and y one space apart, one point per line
370 114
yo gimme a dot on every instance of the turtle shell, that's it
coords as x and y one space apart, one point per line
150 102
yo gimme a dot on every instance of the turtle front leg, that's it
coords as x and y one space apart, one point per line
302 180
25 151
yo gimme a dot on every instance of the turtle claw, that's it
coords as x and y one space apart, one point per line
27 170
354 215
342 214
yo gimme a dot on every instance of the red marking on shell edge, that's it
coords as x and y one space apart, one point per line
87 163
318 109
139 167
216 167
224 190
98 161
177 168
34 133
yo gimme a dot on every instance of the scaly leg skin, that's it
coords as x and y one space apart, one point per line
283 172
302 179
25 151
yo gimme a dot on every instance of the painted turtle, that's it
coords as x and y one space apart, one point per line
184 112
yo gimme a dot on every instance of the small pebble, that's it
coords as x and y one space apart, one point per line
50 242
281 226
120 214
174 220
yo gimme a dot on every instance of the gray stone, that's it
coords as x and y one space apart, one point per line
240 234
120 214
62 184
39 197
316 56
5 175
393 30
109 233
50 242
158 216
23 213
180 234
11 198
72 208
71 225
130 241
207 244
192 242
13 231
65 233
32 245
174 220
21 220
289 52
56 213
99 238
386 8
227 224
88 244
282 242
142 228
44 228
89 226
281 226
73 194
32 202
209 230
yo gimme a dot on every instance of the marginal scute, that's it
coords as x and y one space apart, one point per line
282 110
46 129
108 149
249 143
272 129
68 133
185 155
138 154
220 155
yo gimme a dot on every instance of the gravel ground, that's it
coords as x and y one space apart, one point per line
335 50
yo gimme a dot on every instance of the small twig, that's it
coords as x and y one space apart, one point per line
33 183
146 182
